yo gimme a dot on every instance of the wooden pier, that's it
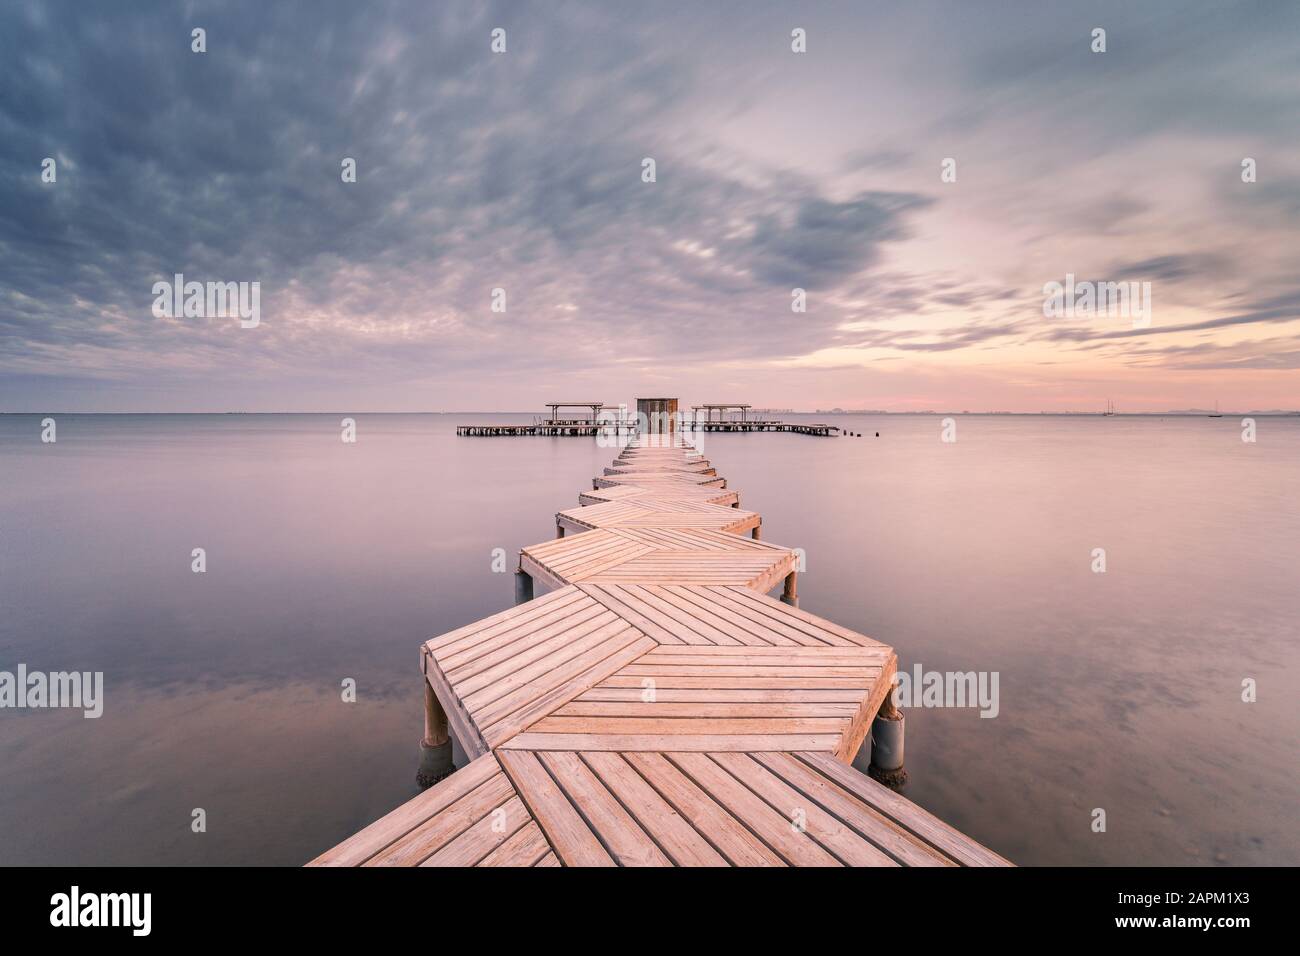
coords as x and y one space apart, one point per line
657 707
817 428
551 429
588 430
554 427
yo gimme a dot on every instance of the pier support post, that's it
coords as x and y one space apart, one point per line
559 530
756 535
790 593
523 587
887 745
435 748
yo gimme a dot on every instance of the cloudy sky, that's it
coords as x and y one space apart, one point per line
523 171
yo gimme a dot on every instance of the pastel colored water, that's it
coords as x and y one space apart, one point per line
328 561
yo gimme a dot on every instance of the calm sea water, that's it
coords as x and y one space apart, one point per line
328 561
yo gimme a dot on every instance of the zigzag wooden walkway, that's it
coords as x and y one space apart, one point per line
656 707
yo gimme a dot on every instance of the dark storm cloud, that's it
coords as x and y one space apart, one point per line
876 159
821 242
1167 268
1174 268
474 171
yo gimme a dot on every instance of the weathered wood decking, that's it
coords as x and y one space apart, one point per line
647 808
661 510
657 707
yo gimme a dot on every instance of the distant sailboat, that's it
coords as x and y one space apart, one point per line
1216 413
1110 409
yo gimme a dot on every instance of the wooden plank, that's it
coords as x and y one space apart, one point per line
658 708
746 631
504 683
830 833
728 836
578 557
700 743
515 710
616 829
490 668
532 607
787 653
524 848
902 811
483 837
863 673
649 602
826 630
760 613
847 696
639 513
696 610
499 632
680 841
635 680
439 830
565 830
897 841
652 624
732 656
701 726
698 540
773 828
469 673
385 831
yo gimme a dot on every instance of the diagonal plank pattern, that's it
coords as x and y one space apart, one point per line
662 510
660 555
657 707
715 496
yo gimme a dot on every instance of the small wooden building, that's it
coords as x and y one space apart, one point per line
660 414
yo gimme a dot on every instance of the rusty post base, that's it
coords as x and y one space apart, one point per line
435 764
893 779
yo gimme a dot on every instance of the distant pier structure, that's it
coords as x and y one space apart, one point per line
713 417
654 416
563 421
556 406
721 411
